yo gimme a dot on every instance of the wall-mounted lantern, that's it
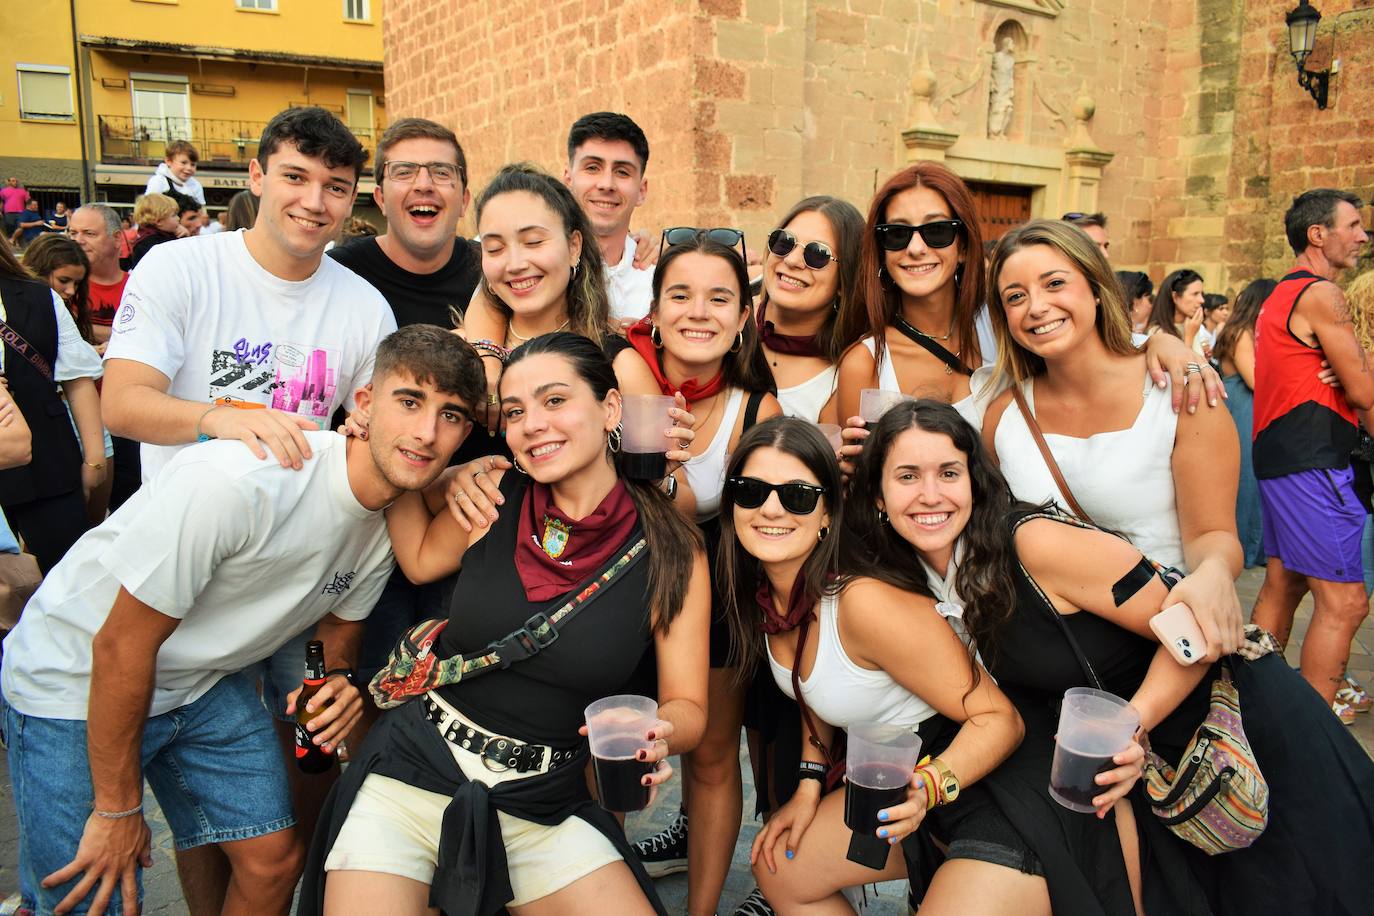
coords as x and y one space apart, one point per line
1302 35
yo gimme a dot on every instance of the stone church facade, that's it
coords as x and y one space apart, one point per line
1183 120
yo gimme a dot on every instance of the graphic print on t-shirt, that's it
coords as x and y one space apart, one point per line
295 378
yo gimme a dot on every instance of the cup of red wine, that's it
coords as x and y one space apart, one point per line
879 760
617 730
644 422
1094 726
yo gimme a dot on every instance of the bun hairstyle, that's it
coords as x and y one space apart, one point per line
671 539
1162 315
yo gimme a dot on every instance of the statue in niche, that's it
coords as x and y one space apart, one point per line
1001 96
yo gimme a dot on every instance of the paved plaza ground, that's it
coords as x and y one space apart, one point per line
163 894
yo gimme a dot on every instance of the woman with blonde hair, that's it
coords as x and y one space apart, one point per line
158 218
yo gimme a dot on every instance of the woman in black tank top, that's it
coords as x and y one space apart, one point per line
567 517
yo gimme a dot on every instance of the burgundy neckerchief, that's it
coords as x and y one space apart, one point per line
639 335
553 553
790 344
799 615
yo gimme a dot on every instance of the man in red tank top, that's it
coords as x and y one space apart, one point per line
1303 434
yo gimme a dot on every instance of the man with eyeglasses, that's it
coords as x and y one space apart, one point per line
419 265
1094 226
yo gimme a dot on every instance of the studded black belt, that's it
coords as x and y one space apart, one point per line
498 753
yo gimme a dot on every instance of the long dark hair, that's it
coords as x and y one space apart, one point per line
747 368
848 225
1243 316
672 540
589 308
738 572
984 579
1162 315
51 252
883 300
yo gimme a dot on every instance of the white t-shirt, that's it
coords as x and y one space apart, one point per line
163 181
75 358
205 314
631 291
245 553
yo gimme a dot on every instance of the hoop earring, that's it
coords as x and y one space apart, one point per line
516 461
655 337
739 342
882 516
820 535
959 274
613 439
577 265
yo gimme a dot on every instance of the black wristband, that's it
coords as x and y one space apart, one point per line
348 674
809 769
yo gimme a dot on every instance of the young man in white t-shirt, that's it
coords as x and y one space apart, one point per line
127 662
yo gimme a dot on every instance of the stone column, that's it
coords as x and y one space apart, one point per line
1083 160
926 139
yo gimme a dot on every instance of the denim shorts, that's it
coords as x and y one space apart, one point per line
214 765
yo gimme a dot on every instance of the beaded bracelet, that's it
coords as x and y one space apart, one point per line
491 348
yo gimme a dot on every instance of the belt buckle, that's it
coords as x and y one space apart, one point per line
488 762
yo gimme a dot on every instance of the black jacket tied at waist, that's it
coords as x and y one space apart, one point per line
471 878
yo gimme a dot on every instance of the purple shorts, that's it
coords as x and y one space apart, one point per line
1313 522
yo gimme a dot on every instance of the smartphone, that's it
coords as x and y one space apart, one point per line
1177 629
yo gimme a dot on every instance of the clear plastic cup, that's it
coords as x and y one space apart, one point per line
879 760
1094 726
831 431
874 402
616 730
643 442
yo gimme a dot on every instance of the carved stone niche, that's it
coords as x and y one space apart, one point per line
1008 95
1047 8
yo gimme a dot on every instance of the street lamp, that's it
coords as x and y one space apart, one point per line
1302 35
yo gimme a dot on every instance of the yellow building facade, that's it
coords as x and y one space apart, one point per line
97 88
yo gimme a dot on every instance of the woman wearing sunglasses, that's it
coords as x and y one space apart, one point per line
862 642
473 796
809 286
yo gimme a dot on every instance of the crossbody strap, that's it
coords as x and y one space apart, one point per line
1045 452
541 631
751 411
815 737
16 342
1078 652
933 347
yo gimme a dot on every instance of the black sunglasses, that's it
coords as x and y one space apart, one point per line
750 493
681 235
817 255
1073 217
939 234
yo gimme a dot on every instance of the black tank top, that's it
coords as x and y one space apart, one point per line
540 699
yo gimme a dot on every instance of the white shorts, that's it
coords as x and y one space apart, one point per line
393 828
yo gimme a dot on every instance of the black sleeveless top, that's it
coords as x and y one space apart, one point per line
541 699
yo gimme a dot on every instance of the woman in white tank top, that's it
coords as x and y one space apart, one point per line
862 649
1166 481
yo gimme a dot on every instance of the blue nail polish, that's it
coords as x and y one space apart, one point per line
882 831
790 853
882 815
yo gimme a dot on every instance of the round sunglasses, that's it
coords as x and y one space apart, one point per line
939 234
817 255
750 493
681 235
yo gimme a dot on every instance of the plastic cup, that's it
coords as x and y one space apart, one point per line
616 730
643 419
1094 726
874 402
831 431
879 761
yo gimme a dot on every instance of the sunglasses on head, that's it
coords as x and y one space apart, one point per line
681 235
750 493
1073 217
939 234
817 255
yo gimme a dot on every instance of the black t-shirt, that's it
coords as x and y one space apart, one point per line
416 298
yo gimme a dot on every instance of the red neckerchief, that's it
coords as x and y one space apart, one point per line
798 606
639 336
790 344
554 554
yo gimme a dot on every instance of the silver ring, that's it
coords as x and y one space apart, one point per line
1191 368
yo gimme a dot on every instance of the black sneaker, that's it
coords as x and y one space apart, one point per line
754 905
665 853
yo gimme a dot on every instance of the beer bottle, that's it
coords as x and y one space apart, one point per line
310 757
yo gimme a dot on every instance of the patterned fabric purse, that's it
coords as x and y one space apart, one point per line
413 669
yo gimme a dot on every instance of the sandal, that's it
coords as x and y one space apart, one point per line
1344 711
1354 695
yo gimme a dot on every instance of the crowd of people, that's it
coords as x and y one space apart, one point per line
223 445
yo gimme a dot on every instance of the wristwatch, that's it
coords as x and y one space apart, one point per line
946 783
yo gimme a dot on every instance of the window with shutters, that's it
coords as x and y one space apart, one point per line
45 92
357 11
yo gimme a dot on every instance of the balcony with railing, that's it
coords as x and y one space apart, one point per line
223 144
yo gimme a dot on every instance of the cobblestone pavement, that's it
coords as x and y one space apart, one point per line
163 894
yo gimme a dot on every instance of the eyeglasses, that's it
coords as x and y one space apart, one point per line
939 234
750 493
817 255
441 173
681 235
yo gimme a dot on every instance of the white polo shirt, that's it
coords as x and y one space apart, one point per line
631 291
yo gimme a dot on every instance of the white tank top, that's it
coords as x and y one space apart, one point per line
970 408
807 399
706 472
842 693
1124 479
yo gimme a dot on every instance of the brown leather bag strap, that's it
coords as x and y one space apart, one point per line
815 737
1045 453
